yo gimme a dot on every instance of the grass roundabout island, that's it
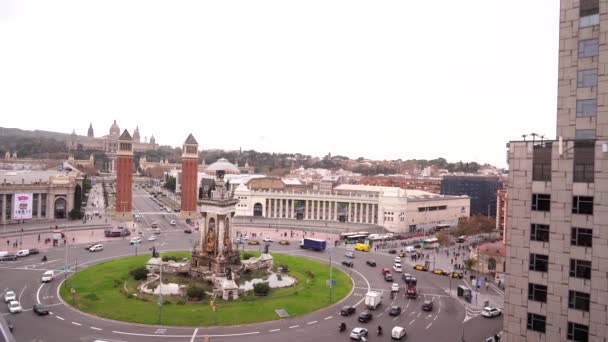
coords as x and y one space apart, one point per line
108 290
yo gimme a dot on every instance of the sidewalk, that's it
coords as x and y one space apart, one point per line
38 240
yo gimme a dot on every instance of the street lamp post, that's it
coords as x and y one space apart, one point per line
331 281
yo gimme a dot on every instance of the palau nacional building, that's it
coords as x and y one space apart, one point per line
557 216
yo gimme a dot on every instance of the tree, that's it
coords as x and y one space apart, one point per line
170 184
476 224
139 273
261 289
443 237
470 263
195 292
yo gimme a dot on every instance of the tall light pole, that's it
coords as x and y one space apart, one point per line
160 293
331 281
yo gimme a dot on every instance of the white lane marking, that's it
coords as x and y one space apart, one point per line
412 322
328 317
429 316
61 318
38 293
23 290
78 324
273 330
394 319
313 322
95 328
411 313
428 326
294 326
419 315
380 315
435 318
182 336
194 335
439 311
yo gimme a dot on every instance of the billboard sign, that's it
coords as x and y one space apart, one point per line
22 206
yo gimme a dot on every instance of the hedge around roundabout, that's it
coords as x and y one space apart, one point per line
99 290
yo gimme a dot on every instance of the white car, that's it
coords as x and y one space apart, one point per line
135 240
172 222
152 238
358 333
397 267
95 248
267 239
23 252
47 276
397 260
10 296
490 312
14 306
395 287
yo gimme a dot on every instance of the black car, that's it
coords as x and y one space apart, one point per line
348 263
33 251
371 263
41 309
8 257
392 251
388 277
347 311
365 317
427 305
188 231
395 311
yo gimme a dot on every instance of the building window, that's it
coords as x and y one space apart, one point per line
7 206
586 78
582 205
537 292
536 322
541 202
588 48
581 237
541 162
584 161
578 332
578 300
35 205
589 7
539 262
580 268
539 232
586 108
584 134
43 205
589 20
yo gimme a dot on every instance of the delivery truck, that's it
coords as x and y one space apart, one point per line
373 299
314 244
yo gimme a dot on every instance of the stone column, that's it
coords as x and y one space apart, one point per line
203 237
293 208
219 227
335 211
322 211
348 216
306 209
39 205
281 208
3 208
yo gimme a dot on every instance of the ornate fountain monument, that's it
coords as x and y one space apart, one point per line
216 258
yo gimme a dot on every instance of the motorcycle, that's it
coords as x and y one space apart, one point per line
11 327
379 330
342 327
44 258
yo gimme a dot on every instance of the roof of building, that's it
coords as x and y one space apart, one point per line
190 140
495 248
29 177
114 129
291 181
223 164
125 136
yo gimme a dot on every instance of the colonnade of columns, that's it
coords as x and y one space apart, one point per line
6 207
355 212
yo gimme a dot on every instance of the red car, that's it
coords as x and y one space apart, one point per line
385 271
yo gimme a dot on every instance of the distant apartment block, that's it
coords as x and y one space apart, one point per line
481 189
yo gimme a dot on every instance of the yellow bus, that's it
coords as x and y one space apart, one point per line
361 247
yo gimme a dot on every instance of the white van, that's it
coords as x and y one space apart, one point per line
3 253
410 249
397 333
23 252
47 276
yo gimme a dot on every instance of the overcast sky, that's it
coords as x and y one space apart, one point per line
379 79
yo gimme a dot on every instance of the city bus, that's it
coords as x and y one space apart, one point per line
344 236
430 243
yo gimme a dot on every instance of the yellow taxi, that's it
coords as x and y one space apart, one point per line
457 275
440 272
284 242
361 247
253 242
420 268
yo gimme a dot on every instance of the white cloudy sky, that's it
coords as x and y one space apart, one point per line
380 79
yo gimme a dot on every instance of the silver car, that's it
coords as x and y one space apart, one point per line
358 333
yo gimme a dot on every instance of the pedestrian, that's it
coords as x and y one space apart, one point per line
487 286
38 237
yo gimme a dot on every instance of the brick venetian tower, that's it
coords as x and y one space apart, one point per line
124 176
189 178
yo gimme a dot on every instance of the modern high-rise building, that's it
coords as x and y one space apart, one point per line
557 225
481 189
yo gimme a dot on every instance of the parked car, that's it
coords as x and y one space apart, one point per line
14 306
427 305
365 317
188 231
9 257
371 263
33 251
284 242
23 252
420 268
41 309
349 254
47 276
395 311
490 312
358 333
267 239
98 247
347 310
135 240
10 296
348 263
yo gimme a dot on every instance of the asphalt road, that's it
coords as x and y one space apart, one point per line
444 323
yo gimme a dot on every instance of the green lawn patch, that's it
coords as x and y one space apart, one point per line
100 290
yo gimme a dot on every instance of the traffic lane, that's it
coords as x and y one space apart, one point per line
479 328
